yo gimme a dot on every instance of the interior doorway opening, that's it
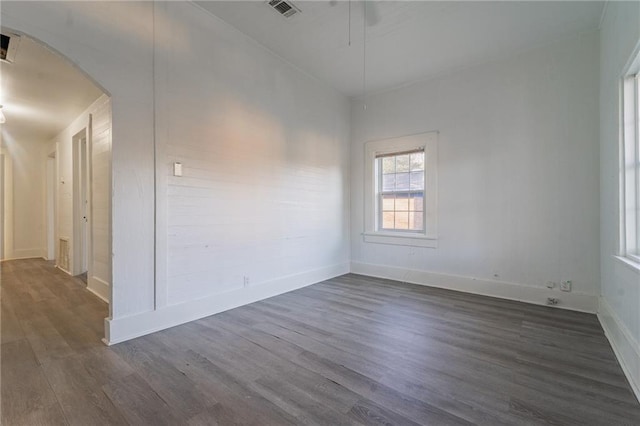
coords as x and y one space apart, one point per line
56 182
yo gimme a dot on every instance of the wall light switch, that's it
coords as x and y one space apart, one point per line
177 169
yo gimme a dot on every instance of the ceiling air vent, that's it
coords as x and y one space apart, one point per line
284 8
8 46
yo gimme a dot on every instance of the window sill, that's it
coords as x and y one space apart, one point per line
635 266
400 240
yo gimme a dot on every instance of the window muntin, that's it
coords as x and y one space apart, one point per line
400 191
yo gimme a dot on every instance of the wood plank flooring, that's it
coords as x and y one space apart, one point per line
348 351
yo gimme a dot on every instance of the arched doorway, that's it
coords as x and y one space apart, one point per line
56 171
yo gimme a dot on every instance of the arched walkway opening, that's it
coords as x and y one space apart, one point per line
55 191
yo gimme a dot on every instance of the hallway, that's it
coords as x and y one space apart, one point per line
51 326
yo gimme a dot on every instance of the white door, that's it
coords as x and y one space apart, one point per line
81 207
84 205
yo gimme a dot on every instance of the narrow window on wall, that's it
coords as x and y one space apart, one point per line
401 191
630 165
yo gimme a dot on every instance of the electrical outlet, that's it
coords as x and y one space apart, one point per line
552 301
551 284
565 285
246 281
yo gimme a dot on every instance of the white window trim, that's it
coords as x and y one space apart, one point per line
629 245
429 236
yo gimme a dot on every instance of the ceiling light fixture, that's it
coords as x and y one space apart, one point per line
2 119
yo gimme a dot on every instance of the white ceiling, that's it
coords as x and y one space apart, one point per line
42 93
408 40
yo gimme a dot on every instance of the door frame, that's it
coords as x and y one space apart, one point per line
52 205
81 261
2 217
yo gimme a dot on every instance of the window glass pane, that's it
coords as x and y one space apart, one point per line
402 220
402 202
402 163
416 202
417 180
388 202
388 164
388 220
417 161
630 168
402 182
388 182
637 213
416 220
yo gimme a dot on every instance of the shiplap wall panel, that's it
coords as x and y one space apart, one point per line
101 192
264 152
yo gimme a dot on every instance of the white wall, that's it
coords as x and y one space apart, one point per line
264 194
264 148
24 181
264 151
61 144
620 302
517 175
99 274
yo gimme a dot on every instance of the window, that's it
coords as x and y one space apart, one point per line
400 190
630 165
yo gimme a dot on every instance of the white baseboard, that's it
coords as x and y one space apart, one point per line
120 329
575 301
624 345
63 270
21 258
28 253
25 254
99 287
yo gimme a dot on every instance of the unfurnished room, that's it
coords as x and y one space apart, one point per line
337 212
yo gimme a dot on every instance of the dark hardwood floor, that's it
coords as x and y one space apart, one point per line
351 350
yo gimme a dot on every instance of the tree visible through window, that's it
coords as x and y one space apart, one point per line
401 178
